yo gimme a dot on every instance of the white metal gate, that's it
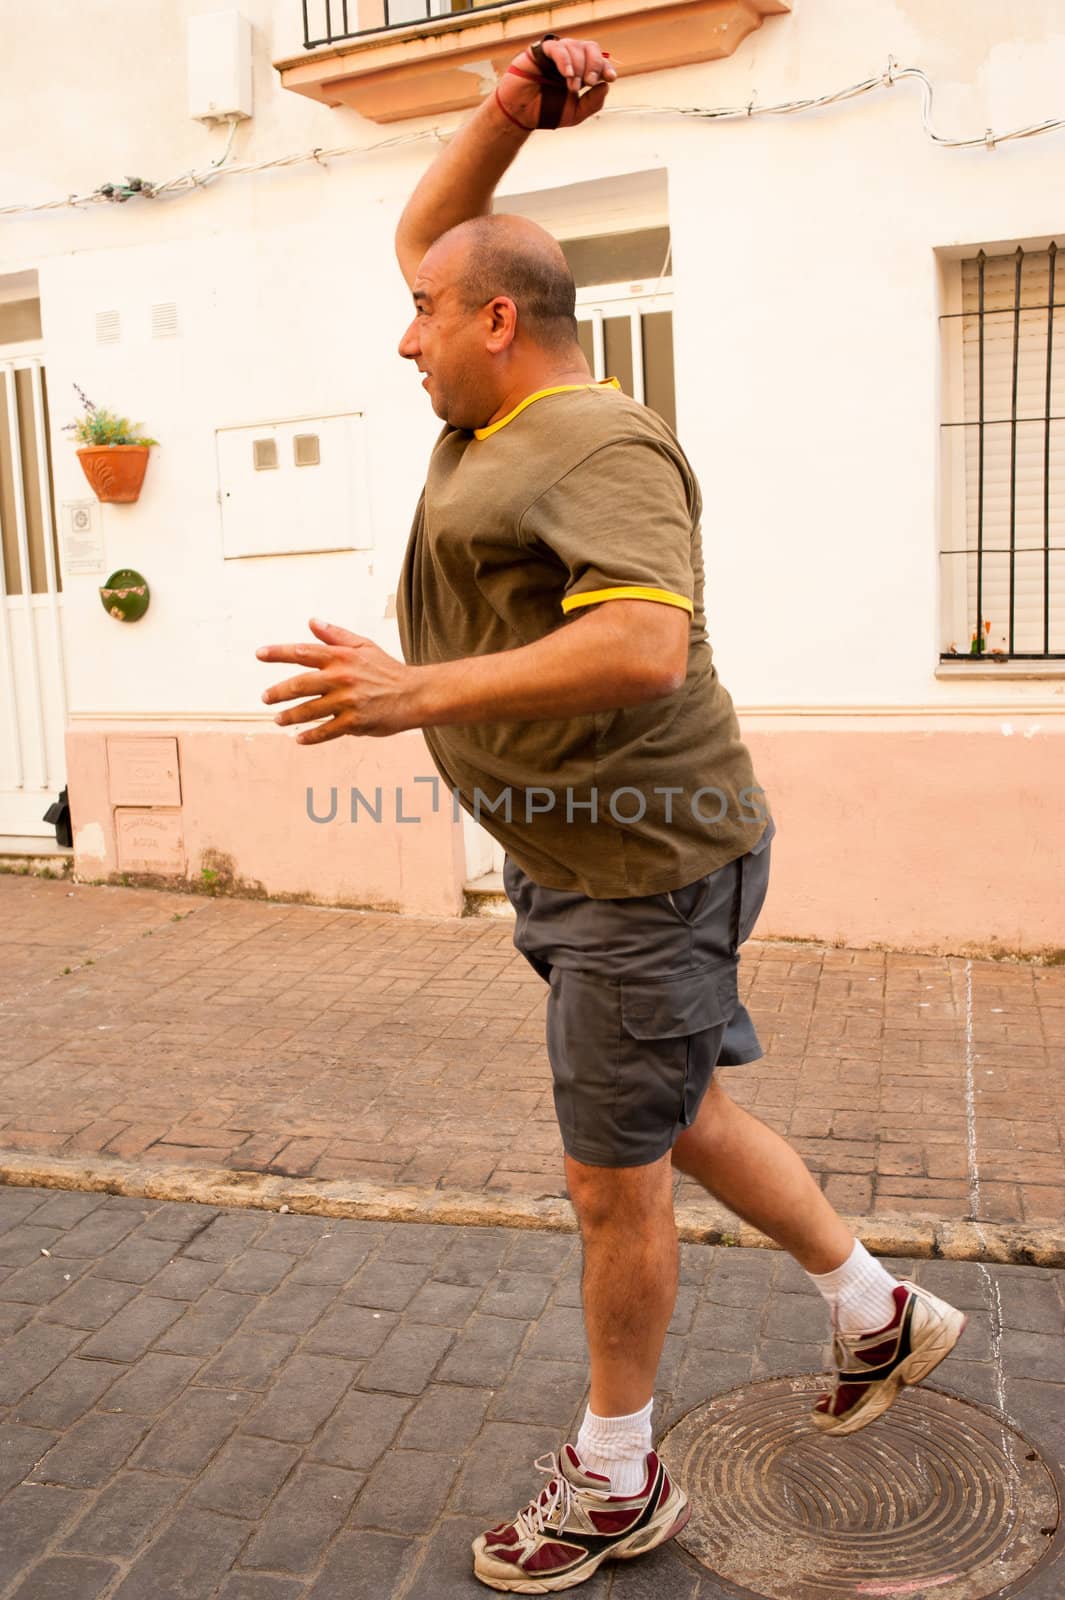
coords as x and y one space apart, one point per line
626 334
33 700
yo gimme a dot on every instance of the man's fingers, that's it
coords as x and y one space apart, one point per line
294 688
299 655
597 68
332 634
585 67
580 61
575 51
309 711
328 730
590 103
557 50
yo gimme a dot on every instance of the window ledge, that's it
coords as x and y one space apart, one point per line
449 64
1001 669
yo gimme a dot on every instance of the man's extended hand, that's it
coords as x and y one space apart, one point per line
349 680
588 72
621 654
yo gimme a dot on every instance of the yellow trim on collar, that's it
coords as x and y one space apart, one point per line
541 394
630 592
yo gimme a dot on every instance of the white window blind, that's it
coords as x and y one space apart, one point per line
1004 555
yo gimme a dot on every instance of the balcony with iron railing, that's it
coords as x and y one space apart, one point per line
329 21
393 60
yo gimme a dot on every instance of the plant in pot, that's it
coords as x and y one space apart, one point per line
114 456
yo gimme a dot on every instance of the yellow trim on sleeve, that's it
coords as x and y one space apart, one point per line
665 597
541 394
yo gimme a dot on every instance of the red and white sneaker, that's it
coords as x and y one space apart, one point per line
871 1368
575 1524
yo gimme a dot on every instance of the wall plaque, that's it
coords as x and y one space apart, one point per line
143 772
150 841
83 540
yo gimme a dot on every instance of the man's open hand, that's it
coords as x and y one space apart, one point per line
348 680
588 73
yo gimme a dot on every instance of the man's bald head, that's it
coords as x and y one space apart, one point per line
516 258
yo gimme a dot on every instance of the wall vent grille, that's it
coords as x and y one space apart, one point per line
164 320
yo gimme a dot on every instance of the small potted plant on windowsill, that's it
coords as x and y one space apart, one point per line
115 455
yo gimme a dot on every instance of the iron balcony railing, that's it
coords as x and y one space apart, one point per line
329 21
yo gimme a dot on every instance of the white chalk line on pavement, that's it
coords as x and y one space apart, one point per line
970 1099
991 1288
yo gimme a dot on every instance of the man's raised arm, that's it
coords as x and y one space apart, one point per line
463 178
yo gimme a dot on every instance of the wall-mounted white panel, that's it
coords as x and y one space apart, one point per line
220 78
294 487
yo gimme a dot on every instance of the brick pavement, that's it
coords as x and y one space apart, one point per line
196 1402
335 1044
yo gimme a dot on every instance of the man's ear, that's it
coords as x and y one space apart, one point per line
502 316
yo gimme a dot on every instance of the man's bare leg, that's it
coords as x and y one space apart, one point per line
629 1284
757 1174
629 1287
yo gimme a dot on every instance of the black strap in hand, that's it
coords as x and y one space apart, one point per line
553 88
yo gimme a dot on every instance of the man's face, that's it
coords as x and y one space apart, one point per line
448 343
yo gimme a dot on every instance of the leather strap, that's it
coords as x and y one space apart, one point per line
553 89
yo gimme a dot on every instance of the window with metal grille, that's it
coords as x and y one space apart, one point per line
1003 554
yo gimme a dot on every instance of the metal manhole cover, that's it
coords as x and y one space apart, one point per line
938 1498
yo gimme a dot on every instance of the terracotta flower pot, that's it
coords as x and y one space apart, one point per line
115 471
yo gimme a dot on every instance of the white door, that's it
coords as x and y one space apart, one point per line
33 699
625 333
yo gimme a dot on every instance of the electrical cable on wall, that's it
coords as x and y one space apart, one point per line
183 183
989 139
186 181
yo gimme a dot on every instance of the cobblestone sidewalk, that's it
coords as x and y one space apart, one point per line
337 1044
203 1402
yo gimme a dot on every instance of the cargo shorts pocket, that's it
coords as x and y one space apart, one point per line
631 1059
754 884
675 1028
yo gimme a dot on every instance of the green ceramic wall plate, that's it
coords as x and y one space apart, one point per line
125 595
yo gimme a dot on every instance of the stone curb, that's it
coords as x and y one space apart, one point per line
698 1222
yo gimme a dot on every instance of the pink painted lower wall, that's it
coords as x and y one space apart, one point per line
939 833
243 815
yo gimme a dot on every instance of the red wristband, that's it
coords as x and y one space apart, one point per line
522 125
532 77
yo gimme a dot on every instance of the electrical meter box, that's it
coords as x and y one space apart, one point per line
294 487
219 51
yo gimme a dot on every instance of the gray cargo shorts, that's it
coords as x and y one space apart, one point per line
643 1002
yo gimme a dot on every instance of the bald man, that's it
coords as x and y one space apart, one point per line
551 615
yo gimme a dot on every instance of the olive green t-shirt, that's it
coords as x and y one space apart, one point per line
579 497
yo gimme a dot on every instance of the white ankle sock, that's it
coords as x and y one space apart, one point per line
860 1292
617 1447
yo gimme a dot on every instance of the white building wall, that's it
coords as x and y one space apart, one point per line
806 294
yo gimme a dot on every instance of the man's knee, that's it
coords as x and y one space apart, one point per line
618 1196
